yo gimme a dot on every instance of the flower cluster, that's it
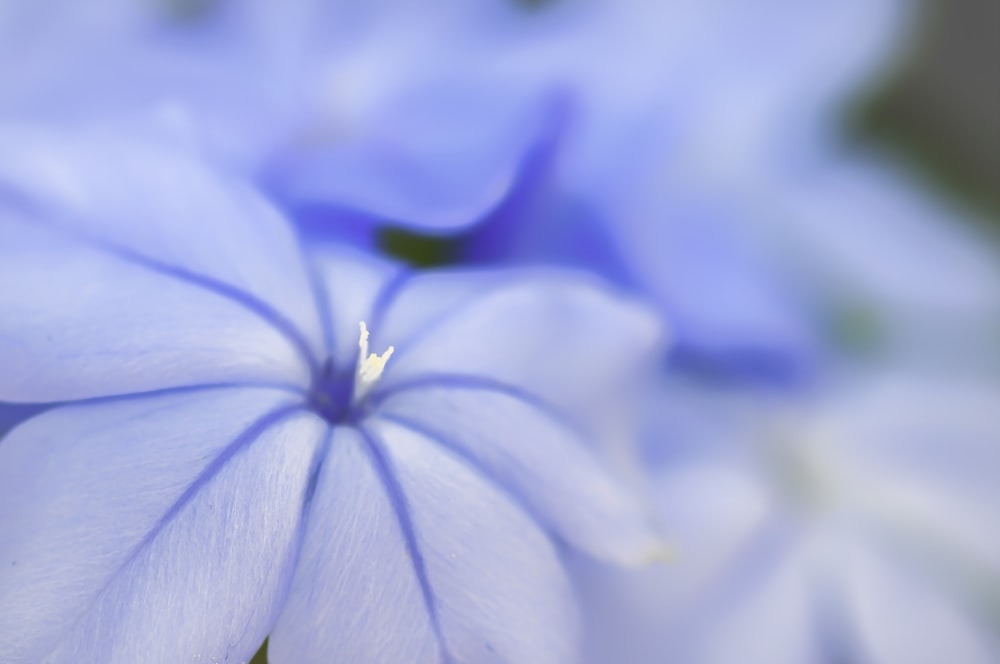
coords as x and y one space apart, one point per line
525 332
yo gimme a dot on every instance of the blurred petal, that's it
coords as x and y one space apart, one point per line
332 104
856 236
771 621
729 310
140 528
518 445
900 617
712 514
438 159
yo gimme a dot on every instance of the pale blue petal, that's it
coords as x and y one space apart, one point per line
177 274
729 309
329 107
407 119
493 584
81 321
354 593
559 335
773 620
724 535
767 74
439 158
516 443
151 529
231 79
935 432
858 236
899 616
431 297
163 207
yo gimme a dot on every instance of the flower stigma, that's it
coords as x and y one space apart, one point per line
370 365
338 391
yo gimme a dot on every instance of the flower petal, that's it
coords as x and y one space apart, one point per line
436 560
195 224
559 335
80 322
519 446
126 522
768 618
78 273
860 236
435 159
899 614
353 592
482 560
730 312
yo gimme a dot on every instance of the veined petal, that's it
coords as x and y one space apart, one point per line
399 564
159 206
13 413
524 449
151 529
354 592
558 335
479 574
82 321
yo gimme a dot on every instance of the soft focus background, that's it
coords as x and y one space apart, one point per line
939 109
808 193
858 520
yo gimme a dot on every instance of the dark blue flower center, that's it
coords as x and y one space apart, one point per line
331 394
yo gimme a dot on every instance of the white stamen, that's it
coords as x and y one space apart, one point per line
370 366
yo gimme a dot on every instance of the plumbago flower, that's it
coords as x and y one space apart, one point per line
226 460
855 525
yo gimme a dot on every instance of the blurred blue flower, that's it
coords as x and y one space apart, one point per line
222 463
896 272
851 521
855 524
601 134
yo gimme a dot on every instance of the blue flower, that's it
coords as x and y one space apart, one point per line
857 523
225 461
602 134
355 108
856 238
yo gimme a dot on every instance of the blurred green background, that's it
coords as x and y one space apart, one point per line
939 112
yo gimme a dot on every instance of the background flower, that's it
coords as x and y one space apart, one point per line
854 523
579 132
